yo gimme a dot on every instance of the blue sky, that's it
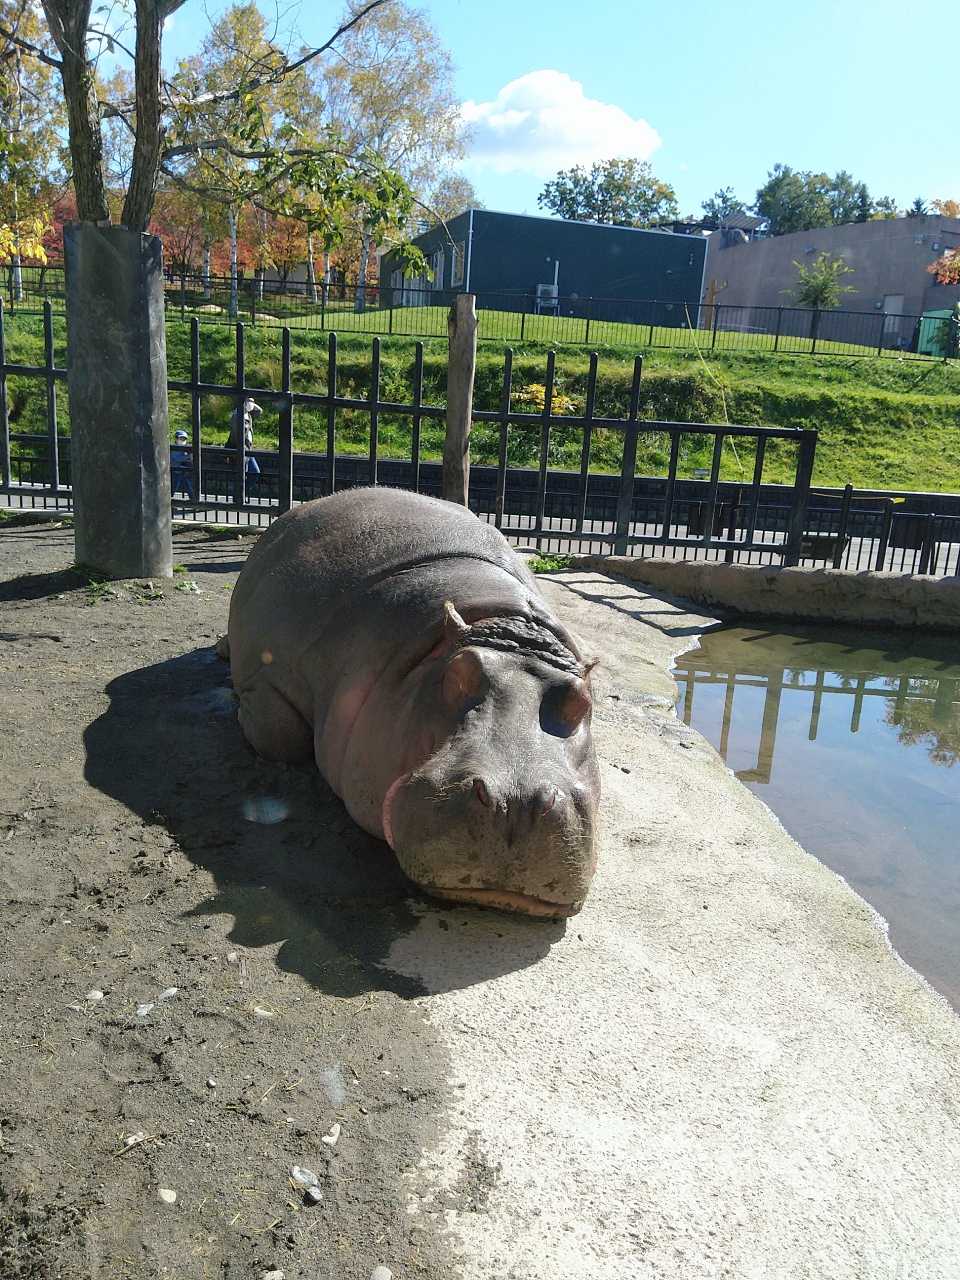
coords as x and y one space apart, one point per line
713 93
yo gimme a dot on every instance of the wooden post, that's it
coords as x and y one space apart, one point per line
461 368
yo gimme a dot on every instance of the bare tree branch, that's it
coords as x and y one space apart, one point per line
32 49
111 39
240 153
117 110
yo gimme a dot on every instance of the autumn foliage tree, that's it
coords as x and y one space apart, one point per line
178 220
31 122
946 269
388 91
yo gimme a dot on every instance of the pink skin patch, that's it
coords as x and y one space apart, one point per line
388 806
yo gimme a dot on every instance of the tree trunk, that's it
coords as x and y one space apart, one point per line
116 342
232 221
83 112
361 301
206 271
326 278
17 273
311 278
146 150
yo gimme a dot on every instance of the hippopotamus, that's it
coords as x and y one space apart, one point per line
403 643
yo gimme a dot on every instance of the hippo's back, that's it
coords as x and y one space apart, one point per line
363 533
318 559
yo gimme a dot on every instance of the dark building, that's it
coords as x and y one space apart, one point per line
514 262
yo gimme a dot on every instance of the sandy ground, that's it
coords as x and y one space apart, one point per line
718 1069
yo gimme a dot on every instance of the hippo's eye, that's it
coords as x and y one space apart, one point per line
464 681
564 707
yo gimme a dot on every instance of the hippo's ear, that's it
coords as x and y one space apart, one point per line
453 625
463 679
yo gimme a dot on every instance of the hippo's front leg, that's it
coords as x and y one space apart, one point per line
273 725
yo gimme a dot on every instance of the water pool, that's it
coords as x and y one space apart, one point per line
853 740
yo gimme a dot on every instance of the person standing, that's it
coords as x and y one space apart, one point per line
181 462
251 467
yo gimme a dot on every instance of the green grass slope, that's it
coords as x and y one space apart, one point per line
883 422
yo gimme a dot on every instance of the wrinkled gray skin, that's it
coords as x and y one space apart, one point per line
401 641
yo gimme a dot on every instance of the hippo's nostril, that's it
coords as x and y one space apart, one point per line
483 794
546 803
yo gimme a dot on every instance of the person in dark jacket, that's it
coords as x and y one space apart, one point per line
181 462
251 467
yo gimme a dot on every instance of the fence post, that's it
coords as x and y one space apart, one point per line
195 409
183 297
586 333
461 370
48 360
716 321
776 336
801 495
285 443
927 546
5 478
844 522
627 473
885 526
734 521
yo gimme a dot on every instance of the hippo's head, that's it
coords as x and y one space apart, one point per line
503 811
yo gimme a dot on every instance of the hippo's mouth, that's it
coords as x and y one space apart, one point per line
505 900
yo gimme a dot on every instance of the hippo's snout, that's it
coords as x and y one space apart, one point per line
470 840
518 815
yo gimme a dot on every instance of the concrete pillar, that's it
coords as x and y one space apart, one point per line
117 379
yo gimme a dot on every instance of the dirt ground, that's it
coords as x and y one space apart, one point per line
718 1070
191 998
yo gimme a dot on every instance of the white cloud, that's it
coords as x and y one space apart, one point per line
544 122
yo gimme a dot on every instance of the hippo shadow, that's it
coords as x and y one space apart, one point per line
288 862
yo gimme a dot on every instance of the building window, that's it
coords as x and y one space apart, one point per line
456 267
436 266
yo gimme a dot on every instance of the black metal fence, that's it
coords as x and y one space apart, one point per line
686 511
419 311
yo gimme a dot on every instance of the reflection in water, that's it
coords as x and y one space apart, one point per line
851 739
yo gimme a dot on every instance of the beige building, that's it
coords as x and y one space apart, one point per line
888 258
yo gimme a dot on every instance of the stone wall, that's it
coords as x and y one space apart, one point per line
810 595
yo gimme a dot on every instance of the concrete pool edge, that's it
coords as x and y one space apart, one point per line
711 622
893 600
721 1068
